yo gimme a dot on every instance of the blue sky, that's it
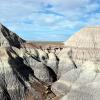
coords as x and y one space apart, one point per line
48 20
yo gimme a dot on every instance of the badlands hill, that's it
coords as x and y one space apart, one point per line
29 71
79 66
26 71
88 37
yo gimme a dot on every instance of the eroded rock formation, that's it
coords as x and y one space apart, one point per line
30 71
24 74
8 38
79 67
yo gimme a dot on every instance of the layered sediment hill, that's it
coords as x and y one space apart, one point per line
85 45
88 37
79 67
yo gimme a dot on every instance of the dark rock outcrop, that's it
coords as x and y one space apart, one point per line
8 38
22 68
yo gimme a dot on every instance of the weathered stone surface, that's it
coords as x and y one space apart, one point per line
28 71
90 91
9 81
63 85
66 63
52 62
86 38
42 55
73 80
8 38
85 45
20 68
18 77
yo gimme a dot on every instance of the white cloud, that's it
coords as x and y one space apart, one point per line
48 15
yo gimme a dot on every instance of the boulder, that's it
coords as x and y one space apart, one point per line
63 85
66 63
52 62
42 56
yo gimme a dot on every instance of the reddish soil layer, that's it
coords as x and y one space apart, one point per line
43 45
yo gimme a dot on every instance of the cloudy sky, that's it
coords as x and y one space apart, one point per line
52 20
